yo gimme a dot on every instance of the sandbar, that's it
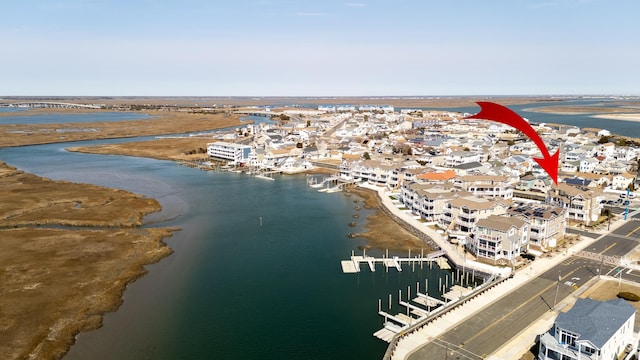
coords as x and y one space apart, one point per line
622 117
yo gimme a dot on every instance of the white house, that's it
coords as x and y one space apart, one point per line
456 158
622 181
499 237
588 165
591 330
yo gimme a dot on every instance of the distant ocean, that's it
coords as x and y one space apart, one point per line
620 127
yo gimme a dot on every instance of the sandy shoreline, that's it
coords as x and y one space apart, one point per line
622 117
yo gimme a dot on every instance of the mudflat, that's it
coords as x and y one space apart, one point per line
382 231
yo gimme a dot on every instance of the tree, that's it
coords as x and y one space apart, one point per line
366 156
603 139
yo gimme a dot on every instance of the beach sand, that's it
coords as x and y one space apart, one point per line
623 117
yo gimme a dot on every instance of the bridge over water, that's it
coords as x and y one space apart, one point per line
52 104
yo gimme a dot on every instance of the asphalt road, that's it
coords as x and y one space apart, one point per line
485 332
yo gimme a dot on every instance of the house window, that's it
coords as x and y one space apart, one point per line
568 338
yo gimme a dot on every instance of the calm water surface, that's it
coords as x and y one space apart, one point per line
234 289
626 128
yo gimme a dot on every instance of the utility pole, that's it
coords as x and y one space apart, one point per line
620 281
555 299
600 268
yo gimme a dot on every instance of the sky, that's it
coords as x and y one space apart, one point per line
319 47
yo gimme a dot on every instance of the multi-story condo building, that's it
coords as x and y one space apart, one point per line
547 224
428 200
236 153
581 203
374 172
485 185
499 237
591 330
461 214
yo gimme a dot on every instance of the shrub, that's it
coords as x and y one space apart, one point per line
628 296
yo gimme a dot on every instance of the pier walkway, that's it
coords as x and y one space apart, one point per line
353 264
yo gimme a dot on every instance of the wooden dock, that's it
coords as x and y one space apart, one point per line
418 308
353 264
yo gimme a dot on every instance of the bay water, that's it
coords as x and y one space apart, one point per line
255 271
256 267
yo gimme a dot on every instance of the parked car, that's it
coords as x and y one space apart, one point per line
624 195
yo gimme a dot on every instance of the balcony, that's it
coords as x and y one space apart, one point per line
467 217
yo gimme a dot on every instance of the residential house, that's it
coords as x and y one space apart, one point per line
581 203
607 150
499 237
570 166
547 224
456 158
622 181
591 330
588 165
461 214
525 183
485 186
436 176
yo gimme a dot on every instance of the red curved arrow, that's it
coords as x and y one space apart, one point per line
495 112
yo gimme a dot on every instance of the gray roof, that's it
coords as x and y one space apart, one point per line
468 166
595 321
